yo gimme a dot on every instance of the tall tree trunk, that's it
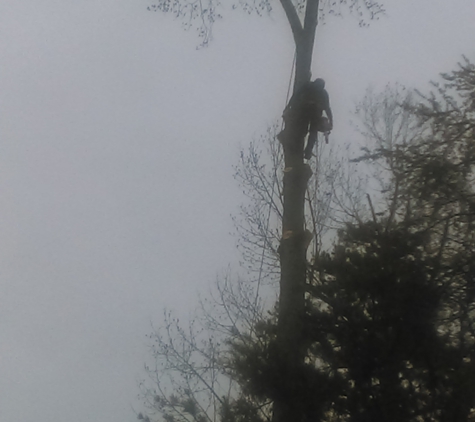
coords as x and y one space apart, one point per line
294 242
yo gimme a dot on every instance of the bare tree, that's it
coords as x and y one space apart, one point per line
189 378
192 360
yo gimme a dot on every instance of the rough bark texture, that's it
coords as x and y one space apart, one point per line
294 239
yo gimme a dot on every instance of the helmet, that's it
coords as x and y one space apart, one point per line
319 83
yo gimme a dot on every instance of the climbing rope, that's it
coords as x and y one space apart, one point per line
273 191
290 84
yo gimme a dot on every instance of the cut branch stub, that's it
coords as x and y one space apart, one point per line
295 184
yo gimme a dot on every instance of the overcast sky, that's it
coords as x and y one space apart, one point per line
117 141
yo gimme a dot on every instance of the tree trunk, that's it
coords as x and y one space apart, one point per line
294 242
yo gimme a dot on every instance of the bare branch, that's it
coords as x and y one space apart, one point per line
293 18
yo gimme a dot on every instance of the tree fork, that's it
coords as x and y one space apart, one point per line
294 242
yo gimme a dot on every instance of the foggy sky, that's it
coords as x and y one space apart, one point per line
117 141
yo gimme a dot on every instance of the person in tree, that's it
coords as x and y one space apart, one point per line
304 113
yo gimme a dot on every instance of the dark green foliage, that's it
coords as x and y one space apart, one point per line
369 327
371 323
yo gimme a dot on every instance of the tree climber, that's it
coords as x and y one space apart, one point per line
304 114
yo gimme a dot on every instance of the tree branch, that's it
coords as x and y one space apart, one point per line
311 17
293 19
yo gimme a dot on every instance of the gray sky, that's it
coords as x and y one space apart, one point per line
117 140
